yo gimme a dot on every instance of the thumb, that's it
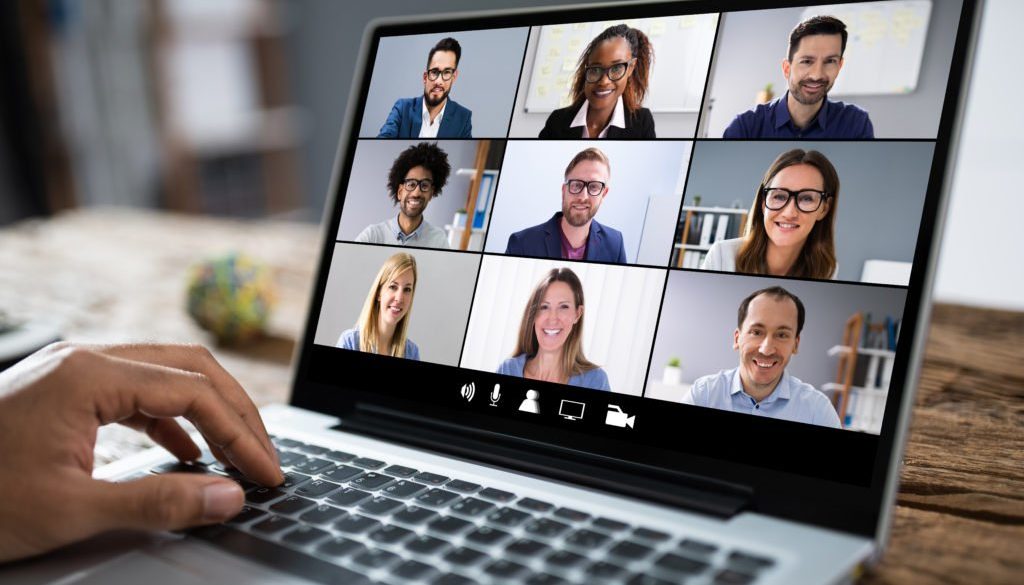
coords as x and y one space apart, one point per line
165 502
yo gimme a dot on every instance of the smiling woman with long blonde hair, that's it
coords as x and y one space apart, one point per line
383 324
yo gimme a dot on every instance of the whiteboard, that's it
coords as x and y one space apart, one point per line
884 48
682 53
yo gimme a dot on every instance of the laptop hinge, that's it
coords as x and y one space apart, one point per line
646 482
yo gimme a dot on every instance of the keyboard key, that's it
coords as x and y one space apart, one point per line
312 466
342 473
605 570
246 515
647 580
524 547
273 524
426 545
322 514
305 536
471 507
180 467
731 577
453 579
356 524
651 535
545 579
495 495
376 559
414 516
292 505
367 463
400 471
287 443
486 536
390 534
339 456
340 547
630 551
404 489
673 563
287 458
317 488
292 479
506 570
534 505
263 495
312 449
465 556
696 547
545 528
380 506
463 487
564 560
449 525
348 497
571 515
437 498
413 571
430 478
586 539
371 481
744 559
278 556
609 525
507 517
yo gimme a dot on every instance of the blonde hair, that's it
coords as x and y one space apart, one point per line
573 361
369 317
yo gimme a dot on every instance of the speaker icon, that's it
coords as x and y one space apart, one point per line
468 391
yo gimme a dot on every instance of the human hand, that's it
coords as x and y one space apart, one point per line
53 402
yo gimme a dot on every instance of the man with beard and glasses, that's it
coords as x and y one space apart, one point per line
572 233
417 176
767 335
432 115
816 48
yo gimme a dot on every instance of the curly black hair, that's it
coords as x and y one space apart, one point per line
425 155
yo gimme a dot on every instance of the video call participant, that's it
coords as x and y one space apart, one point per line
790 229
572 233
418 175
434 115
816 48
384 321
608 90
550 342
767 336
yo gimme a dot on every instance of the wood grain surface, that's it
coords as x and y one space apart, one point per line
116 275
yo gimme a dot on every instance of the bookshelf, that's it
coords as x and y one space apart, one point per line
863 373
699 227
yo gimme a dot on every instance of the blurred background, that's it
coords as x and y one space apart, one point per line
233 108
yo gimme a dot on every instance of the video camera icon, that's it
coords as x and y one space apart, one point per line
617 418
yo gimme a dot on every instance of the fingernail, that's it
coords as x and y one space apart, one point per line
221 500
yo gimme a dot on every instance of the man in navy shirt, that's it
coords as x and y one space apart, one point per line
816 48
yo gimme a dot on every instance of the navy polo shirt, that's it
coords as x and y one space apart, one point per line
771 120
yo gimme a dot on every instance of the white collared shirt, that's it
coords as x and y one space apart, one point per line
428 130
618 118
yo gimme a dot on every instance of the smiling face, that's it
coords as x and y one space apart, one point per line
436 91
395 298
412 203
578 209
814 68
766 341
555 317
603 94
789 227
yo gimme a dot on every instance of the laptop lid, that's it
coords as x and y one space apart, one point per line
720 303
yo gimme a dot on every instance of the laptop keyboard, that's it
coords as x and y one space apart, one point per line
342 518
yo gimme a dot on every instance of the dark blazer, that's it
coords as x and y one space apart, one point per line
604 244
407 115
639 124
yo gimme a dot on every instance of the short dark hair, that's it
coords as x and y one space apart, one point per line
450 44
778 293
423 154
817 25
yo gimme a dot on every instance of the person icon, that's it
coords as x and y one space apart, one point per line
531 403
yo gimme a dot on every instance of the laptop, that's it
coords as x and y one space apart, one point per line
683 351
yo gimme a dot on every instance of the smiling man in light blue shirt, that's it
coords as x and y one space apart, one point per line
767 335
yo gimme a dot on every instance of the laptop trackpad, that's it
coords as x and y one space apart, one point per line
128 569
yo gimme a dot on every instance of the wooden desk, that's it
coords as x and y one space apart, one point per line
113 275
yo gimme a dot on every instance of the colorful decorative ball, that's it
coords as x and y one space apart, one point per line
231 297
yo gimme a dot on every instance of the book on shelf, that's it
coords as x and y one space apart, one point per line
723 228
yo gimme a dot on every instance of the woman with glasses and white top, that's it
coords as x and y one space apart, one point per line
608 90
790 229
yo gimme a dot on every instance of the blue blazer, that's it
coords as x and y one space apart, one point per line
604 244
407 115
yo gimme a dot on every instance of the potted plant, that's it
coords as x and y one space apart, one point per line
765 95
673 374
460 218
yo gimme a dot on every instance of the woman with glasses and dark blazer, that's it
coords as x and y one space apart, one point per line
608 90
790 229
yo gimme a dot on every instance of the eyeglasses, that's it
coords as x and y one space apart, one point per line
424 184
445 74
594 73
594 188
807 200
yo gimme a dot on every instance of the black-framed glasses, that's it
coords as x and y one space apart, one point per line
594 73
424 184
807 200
594 188
445 74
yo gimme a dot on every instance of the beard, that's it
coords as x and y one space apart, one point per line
796 90
433 103
413 213
577 217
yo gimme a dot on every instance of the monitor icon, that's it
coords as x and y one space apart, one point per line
571 410
617 418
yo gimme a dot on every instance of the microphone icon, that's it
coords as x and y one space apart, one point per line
496 395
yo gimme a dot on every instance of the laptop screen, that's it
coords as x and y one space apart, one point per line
685 235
